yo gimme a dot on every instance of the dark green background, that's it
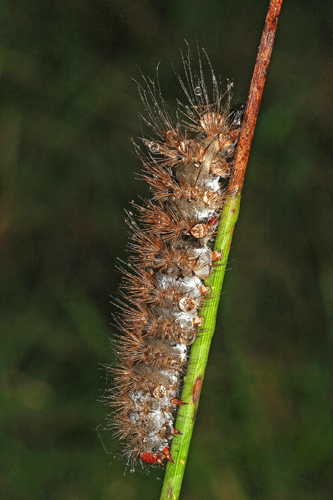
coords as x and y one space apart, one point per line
68 111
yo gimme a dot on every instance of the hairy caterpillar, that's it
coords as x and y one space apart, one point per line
187 165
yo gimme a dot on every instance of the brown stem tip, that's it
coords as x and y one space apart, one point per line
255 95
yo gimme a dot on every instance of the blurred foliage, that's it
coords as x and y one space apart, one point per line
68 112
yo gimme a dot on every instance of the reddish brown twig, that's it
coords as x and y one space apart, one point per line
255 94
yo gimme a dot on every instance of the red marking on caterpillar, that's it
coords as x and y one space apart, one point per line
217 256
151 459
187 166
204 290
177 402
213 221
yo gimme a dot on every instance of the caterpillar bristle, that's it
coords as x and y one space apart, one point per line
187 164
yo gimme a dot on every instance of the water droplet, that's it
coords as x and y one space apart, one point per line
189 111
198 91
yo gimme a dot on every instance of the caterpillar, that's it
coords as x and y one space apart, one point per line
187 163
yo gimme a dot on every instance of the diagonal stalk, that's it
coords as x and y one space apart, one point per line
200 349
199 356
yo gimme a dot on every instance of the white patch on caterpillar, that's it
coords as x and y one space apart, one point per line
183 351
212 184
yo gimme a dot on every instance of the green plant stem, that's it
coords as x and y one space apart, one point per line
200 349
199 355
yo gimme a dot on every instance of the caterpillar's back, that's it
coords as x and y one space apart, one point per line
187 164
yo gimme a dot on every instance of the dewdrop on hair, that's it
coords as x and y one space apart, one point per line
187 164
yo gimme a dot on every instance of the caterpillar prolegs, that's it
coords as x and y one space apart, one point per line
187 163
